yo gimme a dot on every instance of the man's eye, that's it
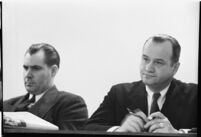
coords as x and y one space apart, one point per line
145 59
159 63
36 68
25 67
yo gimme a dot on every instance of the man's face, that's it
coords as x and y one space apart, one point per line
156 69
37 75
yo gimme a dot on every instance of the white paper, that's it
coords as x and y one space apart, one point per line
32 121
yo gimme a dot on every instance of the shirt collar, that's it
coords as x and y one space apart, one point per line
37 97
162 92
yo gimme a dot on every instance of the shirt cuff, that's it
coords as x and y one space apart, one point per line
112 129
184 131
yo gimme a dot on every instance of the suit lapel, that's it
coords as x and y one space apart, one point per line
20 103
172 105
45 103
138 98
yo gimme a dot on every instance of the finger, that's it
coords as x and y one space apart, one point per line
135 127
142 116
131 124
131 128
156 115
137 123
159 130
152 122
138 120
166 120
156 126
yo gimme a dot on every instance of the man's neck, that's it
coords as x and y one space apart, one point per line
158 88
38 96
45 90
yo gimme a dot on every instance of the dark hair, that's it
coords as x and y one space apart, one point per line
176 48
51 55
0 75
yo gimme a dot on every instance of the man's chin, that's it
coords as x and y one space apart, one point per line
30 90
148 82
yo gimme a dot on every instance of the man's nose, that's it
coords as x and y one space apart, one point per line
29 73
149 67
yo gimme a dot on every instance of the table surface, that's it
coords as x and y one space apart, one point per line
26 132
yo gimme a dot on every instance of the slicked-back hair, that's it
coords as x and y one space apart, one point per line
176 48
51 54
0 75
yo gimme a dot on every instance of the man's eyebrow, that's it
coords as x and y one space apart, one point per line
156 59
161 60
145 55
34 66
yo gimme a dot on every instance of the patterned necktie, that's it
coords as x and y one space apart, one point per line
24 106
154 105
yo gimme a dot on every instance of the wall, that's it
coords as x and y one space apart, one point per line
99 41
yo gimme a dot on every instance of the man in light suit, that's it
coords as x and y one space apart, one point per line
128 106
64 109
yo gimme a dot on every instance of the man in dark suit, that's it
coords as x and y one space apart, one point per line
138 106
66 110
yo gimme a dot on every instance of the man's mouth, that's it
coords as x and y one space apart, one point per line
29 83
148 75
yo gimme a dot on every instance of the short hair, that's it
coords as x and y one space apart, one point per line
51 54
0 75
176 48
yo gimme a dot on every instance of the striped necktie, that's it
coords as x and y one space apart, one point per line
154 105
24 106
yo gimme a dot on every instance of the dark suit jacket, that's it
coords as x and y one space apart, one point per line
180 106
64 109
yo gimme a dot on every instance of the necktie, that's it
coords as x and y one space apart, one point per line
24 106
154 105
33 99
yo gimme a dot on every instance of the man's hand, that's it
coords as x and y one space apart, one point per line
159 124
133 123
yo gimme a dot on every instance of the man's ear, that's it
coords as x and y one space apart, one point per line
176 67
54 70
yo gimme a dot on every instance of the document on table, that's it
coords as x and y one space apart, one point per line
26 120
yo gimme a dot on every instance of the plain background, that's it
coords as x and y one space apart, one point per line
99 41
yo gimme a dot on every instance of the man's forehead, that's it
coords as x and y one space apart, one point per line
36 53
37 58
165 43
162 50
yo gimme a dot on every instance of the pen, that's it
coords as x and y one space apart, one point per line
134 112
130 111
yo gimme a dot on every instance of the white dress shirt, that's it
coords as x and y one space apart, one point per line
150 93
160 100
37 97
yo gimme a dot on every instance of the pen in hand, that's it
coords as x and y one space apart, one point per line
136 113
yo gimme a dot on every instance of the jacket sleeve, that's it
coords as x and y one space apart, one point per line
11 104
72 113
102 119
